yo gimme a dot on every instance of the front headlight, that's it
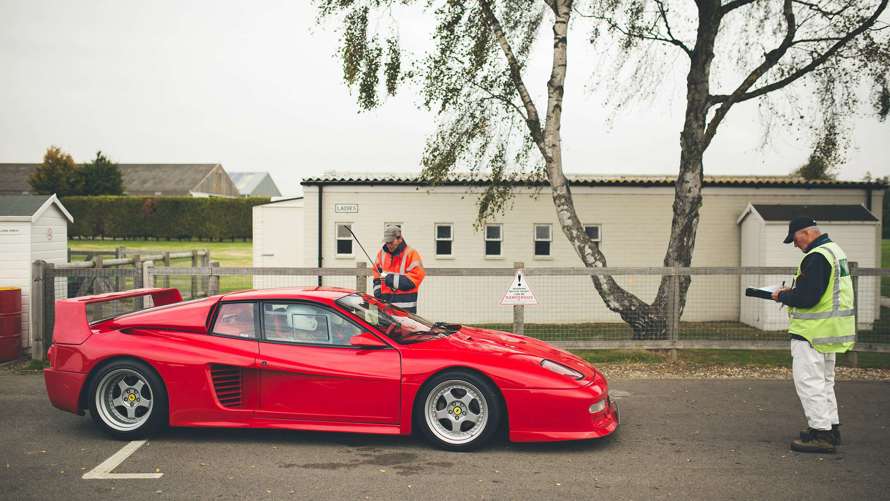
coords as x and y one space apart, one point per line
561 369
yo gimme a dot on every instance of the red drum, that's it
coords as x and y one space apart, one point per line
10 323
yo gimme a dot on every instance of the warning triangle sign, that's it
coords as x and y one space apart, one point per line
519 292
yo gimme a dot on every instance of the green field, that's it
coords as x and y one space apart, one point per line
238 254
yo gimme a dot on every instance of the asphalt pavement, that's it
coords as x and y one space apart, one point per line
688 439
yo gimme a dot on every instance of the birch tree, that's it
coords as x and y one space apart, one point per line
475 78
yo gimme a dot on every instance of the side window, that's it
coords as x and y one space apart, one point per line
302 323
493 238
443 239
344 239
236 319
542 239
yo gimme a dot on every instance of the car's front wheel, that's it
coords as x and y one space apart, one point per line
128 400
458 411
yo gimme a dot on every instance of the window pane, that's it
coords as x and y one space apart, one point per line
542 232
443 231
235 319
343 232
593 232
305 323
443 247
542 248
492 232
344 246
492 248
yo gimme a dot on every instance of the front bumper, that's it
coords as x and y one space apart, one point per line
64 389
554 415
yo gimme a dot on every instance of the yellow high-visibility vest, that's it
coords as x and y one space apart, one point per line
830 325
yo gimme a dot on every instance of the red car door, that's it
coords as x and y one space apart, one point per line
309 371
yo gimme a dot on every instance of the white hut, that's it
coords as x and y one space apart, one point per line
764 227
32 227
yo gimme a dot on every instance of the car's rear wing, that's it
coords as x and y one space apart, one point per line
72 325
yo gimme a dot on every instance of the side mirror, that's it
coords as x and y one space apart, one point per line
366 340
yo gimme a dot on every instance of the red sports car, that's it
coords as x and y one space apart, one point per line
320 359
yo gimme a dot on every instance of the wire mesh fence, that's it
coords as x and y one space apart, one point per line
602 308
656 303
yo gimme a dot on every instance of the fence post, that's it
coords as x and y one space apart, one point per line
166 261
213 280
673 320
518 309
38 303
853 356
138 280
194 276
49 308
205 281
148 277
361 279
119 253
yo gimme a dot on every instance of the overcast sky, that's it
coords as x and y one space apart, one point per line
256 86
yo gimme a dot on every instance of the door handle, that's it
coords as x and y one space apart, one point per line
264 363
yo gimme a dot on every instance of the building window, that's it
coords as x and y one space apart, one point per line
444 234
543 236
593 231
493 239
344 239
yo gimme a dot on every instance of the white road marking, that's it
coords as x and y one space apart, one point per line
103 471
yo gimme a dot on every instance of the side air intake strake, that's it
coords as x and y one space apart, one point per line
227 382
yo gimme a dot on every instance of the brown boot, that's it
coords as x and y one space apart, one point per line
817 441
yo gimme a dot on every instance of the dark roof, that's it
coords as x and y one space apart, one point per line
21 205
169 179
820 213
466 179
15 178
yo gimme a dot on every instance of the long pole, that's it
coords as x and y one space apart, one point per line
371 261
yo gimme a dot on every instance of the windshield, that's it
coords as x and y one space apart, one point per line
397 324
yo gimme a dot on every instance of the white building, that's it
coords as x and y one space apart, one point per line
854 227
32 227
630 215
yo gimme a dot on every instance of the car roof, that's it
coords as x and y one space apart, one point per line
312 293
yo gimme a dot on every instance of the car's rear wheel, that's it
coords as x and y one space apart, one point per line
128 400
458 411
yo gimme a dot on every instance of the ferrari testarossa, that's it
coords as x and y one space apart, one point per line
322 359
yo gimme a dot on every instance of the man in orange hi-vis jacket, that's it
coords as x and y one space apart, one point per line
398 271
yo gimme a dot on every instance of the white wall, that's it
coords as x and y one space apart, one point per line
635 225
278 238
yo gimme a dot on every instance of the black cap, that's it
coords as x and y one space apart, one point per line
797 224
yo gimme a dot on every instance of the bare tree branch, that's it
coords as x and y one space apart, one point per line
731 6
532 119
640 35
663 13
770 59
814 63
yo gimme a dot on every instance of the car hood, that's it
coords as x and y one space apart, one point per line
506 343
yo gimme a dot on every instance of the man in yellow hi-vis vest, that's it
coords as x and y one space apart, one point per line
822 325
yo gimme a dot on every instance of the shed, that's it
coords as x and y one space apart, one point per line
278 239
32 227
255 184
764 227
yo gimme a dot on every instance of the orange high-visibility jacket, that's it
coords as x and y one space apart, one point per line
404 273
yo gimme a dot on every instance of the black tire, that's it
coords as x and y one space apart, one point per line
480 406
124 408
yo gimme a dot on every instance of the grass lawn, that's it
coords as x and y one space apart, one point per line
235 254
750 358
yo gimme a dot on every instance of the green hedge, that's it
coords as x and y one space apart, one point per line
161 217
